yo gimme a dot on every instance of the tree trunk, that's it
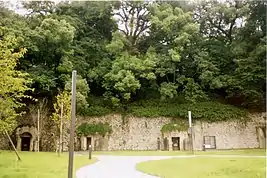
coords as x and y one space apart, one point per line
38 129
13 145
60 130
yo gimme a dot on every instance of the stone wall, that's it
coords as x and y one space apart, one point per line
228 135
132 133
142 133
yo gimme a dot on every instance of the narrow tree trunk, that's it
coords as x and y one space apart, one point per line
13 145
60 130
38 129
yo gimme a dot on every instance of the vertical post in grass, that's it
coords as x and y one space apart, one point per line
190 131
38 130
72 126
90 151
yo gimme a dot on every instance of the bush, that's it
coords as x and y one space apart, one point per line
205 111
97 111
93 129
210 111
175 126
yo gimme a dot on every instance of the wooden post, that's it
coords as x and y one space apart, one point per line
72 126
13 145
38 130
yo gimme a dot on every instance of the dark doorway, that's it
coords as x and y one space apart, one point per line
25 141
89 142
175 143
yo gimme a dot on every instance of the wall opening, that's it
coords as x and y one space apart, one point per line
209 142
261 135
175 143
25 141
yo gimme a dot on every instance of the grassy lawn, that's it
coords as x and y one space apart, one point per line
253 152
204 167
38 165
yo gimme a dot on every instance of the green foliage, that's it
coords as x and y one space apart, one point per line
95 110
82 91
93 129
168 90
129 51
204 111
210 111
13 84
175 126
62 107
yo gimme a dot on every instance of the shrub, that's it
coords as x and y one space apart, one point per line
93 129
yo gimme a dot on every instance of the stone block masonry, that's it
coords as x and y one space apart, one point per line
133 133
143 133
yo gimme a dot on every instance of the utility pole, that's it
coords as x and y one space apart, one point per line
72 126
190 131
38 130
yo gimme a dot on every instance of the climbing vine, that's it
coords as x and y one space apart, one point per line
175 125
93 129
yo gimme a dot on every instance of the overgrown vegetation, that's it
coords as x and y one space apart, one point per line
175 126
210 111
93 129
132 53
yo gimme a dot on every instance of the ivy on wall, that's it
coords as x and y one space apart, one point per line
175 126
210 111
93 129
204 111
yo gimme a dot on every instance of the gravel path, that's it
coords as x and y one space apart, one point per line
124 166
117 167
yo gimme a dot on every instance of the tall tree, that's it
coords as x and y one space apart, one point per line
62 113
13 83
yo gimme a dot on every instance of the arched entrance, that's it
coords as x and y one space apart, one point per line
26 138
25 141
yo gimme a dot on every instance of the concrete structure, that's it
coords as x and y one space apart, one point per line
26 138
145 134
133 133
98 143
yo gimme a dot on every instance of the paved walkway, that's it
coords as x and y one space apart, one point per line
124 166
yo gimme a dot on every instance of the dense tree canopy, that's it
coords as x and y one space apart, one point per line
13 83
128 52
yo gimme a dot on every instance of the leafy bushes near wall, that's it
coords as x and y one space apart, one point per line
210 111
205 111
175 126
95 110
93 129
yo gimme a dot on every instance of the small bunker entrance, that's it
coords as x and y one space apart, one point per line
25 141
175 143
26 138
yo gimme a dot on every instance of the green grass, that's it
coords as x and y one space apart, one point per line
38 165
253 152
204 167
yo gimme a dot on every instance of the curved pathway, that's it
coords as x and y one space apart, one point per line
124 166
